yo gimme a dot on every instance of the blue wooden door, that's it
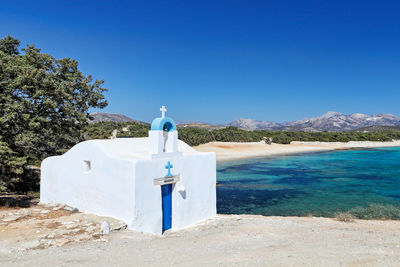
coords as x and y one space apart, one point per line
166 191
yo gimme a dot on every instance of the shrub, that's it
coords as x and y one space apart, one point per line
344 216
377 211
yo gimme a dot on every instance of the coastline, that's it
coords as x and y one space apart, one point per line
231 151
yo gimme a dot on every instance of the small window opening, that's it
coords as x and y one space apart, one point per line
166 128
165 135
88 165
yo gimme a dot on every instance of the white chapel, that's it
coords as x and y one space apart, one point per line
152 183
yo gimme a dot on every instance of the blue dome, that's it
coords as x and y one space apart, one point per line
163 124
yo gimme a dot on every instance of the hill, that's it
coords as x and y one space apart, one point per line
375 129
250 124
330 121
200 125
114 117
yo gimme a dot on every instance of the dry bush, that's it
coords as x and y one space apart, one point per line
377 212
344 216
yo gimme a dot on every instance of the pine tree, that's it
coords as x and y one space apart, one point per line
44 105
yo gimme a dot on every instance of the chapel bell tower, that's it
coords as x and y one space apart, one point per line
163 137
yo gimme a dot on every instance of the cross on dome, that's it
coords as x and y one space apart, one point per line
163 110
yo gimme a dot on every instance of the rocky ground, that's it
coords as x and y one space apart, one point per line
41 227
62 236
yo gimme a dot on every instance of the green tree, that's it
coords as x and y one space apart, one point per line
44 105
11 167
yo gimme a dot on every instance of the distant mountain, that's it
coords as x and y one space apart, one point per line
331 121
249 124
100 116
201 125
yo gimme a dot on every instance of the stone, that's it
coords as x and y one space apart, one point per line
13 218
120 227
34 210
30 244
62 242
44 211
237 217
105 228
83 238
101 240
50 236
68 208
49 205
67 232
26 212
90 229
74 210
67 222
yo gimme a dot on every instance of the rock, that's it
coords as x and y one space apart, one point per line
26 212
74 210
13 218
101 240
62 242
90 229
68 208
96 235
105 228
83 238
49 205
237 217
48 243
121 227
50 236
30 244
67 232
34 210
44 211
67 222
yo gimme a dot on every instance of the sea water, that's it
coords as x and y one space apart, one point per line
319 184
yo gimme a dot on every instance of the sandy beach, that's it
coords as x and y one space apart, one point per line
228 151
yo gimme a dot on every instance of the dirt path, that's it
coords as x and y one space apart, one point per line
233 240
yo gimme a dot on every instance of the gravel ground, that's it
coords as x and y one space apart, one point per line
226 240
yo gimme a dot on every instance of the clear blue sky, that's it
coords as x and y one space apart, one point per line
215 61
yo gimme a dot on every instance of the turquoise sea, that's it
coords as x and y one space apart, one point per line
319 184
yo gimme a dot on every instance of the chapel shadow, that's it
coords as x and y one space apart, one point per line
10 200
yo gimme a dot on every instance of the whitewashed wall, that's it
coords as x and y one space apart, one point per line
120 183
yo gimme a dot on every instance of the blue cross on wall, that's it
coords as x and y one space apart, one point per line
169 166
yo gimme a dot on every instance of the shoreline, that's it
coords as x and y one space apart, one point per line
232 151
